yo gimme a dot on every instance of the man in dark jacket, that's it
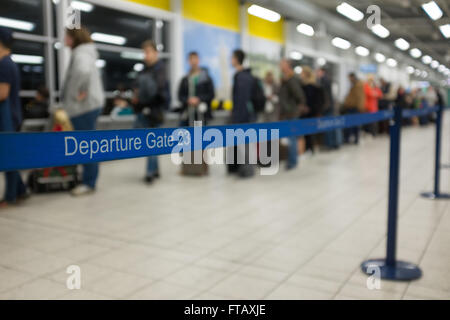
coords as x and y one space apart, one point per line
243 111
196 92
152 98
292 105
10 113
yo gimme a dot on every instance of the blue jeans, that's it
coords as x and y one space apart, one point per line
292 160
88 121
14 186
152 169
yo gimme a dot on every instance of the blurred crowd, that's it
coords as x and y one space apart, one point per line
296 95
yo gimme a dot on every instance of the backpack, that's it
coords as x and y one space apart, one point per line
258 97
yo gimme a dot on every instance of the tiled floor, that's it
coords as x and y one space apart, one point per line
297 235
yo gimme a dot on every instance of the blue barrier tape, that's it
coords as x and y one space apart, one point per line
418 112
49 149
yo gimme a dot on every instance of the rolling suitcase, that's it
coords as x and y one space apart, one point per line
192 169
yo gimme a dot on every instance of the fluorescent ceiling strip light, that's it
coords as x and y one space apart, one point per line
108 38
350 12
264 13
432 10
82 6
362 51
415 53
16 24
391 62
445 30
27 59
402 44
379 57
427 59
380 31
305 29
131 55
341 43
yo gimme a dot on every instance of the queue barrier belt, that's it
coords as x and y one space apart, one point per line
50 149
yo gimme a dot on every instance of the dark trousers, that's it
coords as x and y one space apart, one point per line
348 132
88 121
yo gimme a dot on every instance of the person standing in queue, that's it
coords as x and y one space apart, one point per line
354 103
10 114
243 112
292 106
82 95
151 99
196 91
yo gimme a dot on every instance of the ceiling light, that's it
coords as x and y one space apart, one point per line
132 55
417 72
427 59
295 55
298 69
424 74
341 43
100 63
410 69
434 64
27 59
82 6
415 53
402 44
391 62
321 61
445 30
264 13
108 38
433 10
138 67
380 31
350 12
364 52
379 57
305 29
441 68
16 24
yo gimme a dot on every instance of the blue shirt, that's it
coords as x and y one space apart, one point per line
9 73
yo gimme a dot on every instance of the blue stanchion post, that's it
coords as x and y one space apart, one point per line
389 268
436 193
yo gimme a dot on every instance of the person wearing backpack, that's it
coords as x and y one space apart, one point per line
152 98
247 100
292 106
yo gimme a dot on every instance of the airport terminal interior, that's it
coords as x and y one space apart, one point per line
150 229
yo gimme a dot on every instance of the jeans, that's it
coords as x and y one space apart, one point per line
14 186
88 121
292 160
152 169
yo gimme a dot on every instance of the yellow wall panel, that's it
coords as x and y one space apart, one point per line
160 4
265 29
220 13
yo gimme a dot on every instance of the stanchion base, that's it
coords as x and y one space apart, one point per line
434 196
401 271
445 166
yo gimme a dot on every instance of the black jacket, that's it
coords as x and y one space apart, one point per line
153 92
242 97
204 90
291 97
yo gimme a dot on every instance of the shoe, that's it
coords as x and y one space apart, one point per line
148 180
24 196
82 190
156 175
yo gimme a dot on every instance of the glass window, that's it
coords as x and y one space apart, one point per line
23 15
117 72
30 58
131 29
